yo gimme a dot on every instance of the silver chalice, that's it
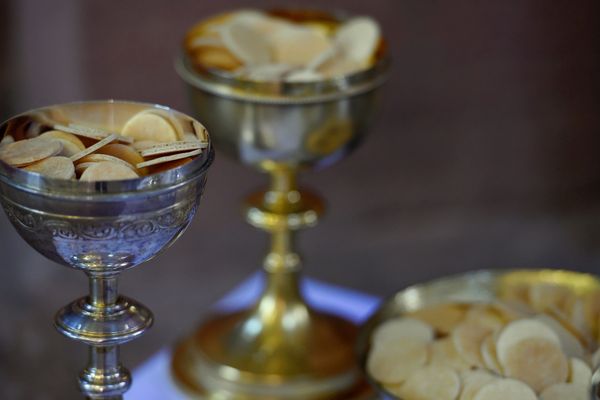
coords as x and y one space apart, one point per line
101 228
279 348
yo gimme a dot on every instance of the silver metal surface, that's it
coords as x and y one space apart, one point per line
300 124
102 229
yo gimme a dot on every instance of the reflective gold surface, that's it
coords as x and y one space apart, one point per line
280 348
477 286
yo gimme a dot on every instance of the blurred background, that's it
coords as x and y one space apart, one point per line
485 155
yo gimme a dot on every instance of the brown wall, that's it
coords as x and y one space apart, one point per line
485 155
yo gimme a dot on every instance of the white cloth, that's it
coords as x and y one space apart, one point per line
152 379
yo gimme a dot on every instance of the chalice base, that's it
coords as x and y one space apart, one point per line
226 360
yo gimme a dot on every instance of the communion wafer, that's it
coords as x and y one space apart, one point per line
565 391
28 151
489 356
246 43
399 328
304 75
434 382
216 57
172 147
358 38
519 330
122 151
473 382
107 171
467 338
53 167
267 72
538 362
200 131
574 323
485 316
568 342
443 317
393 364
71 144
94 147
505 389
544 295
80 167
298 46
93 158
165 159
144 144
260 47
443 352
579 372
90 133
64 136
149 125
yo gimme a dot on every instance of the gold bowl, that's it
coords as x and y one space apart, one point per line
470 287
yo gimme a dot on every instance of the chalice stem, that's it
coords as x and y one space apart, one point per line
104 378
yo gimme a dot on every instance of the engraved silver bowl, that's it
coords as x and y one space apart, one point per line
101 228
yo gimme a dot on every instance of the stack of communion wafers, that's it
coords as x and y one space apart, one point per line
280 46
540 343
150 142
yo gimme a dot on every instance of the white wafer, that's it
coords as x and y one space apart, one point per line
489 356
94 157
151 125
506 389
442 317
393 364
467 338
297 45
358 38
434 382
537 362
519 330
53 167
246 43
107 171
397 329
200 131
473 382
568 342
109 139
80 167
444 352
165 159
71 143
91 133
172 147
28 151
565 391
579 372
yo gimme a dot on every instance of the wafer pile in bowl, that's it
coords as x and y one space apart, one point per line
150 141
284 46
535 341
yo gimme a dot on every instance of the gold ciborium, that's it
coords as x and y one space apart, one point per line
102 229
280 348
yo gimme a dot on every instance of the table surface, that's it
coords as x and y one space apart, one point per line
484 155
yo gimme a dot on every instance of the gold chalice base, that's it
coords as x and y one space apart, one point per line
244 355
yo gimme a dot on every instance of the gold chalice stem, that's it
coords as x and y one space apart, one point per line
280 348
